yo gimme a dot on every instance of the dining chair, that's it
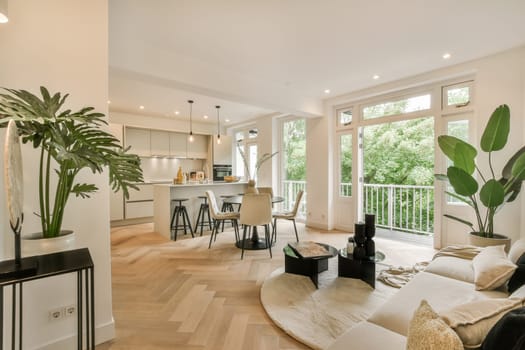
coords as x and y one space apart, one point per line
256 210
265 190
288 215
220 216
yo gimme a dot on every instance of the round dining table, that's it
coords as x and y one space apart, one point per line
254 242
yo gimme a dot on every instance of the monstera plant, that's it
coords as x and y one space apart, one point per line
68 142
485 192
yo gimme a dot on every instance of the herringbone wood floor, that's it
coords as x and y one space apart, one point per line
182 295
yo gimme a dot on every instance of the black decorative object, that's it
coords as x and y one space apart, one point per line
370 231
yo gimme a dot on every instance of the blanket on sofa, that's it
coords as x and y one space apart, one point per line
459 251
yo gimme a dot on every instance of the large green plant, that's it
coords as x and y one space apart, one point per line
68 142
491 193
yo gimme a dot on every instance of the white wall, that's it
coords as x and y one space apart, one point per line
499 79
63 45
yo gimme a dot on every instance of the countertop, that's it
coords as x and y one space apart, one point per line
190 184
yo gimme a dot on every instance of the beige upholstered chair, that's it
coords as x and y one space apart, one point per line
256 210
268 190
219 216
288 215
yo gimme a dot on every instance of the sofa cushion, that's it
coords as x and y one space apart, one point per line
472 321
508 333
366 335
518 277
428 331
517 250
492 268
453 267
440 292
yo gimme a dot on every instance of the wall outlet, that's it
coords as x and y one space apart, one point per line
70 310
56 314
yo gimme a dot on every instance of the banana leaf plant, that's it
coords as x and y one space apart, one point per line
489 193
68 142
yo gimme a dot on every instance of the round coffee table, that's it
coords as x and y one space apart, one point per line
311 267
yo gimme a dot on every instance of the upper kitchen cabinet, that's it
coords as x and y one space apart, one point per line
178 144
160 143
139 140
198 149
222 153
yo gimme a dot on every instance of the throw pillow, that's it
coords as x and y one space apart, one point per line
519 294
472 321
517 250
426 331
492 268
508 333
518 277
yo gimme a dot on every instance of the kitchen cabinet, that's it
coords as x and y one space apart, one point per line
139 140
198 149
222 153
177 144
160 143
140 203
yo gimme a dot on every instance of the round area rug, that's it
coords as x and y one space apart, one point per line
316 317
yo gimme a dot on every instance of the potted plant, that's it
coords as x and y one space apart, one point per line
68 142
260 161
487 194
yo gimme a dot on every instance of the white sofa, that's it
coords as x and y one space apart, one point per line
447 282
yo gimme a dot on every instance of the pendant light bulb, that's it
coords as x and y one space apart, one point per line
190 138
218 126
3 11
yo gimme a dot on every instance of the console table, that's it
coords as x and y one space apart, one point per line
79 261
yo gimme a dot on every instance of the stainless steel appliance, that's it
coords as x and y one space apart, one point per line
220 171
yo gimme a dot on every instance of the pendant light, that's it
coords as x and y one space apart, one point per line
3 11
190 138
218 126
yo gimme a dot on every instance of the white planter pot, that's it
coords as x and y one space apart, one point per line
35 244
479 241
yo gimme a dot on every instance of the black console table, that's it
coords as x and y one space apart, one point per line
79 261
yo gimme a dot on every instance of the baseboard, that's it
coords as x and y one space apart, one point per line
126 222
103 333
317 225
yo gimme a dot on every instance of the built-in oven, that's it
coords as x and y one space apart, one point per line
220 171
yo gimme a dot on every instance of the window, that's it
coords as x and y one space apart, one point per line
345 117
252 133
239 136
405 105
345 165
239 163
293 162
252 156
457 96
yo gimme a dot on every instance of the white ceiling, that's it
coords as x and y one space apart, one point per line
256 58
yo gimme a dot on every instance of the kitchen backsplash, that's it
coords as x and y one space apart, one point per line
155 169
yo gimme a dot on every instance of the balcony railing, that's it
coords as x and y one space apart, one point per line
289 192
397 207
401 207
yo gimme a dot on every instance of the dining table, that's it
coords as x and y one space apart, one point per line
254 242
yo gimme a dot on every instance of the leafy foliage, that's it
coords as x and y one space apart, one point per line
74 141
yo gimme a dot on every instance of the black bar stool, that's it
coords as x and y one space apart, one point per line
180 211
226 207
201 218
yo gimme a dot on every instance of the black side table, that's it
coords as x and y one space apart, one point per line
310 267
362 269
79 261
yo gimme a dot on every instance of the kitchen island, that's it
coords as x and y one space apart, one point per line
163 207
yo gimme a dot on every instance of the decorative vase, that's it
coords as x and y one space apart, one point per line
480 241
35 244
251 187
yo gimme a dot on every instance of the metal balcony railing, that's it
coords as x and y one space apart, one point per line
289 192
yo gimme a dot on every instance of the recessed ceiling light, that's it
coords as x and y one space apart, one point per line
141 107
375 77
205 117
327 91
177 112
227 120
109 102
446 56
